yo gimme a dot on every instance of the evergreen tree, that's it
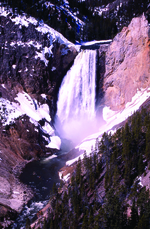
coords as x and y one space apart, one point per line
85 220
134 215
78 171
28 223
141 165
147 151
90 220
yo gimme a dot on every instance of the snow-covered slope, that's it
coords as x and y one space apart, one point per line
34 57
25 21
26 105
112 118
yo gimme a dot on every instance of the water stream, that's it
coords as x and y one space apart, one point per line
75 116
40 176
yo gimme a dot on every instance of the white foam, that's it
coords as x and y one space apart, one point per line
50 157
76 101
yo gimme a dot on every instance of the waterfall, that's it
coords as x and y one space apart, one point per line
76 99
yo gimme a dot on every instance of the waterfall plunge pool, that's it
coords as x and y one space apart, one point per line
76 104
40 175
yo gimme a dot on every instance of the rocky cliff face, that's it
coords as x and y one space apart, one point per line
127 64
17 147
33 60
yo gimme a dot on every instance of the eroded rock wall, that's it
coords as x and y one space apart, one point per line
127 64
31 59
35 62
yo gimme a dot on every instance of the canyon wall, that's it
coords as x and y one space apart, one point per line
127 64
33 59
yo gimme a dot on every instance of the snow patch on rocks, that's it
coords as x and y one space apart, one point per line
26 105
112 118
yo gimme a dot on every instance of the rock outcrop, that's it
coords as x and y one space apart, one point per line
17 147
127 64
33 59
101 69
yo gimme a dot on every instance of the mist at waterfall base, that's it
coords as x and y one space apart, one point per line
76 112
77 130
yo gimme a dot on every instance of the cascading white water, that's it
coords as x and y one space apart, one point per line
76 100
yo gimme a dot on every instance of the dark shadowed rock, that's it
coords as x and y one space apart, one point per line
31 59
34 62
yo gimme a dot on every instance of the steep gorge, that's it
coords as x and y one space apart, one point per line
124 71
32 62
27 65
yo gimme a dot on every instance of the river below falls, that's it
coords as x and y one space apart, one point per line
40 176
